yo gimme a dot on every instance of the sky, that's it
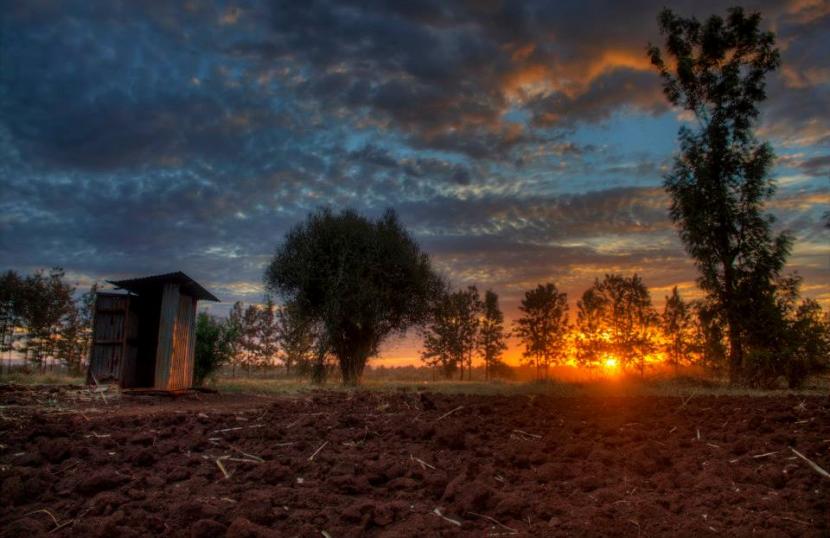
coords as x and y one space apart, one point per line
520 141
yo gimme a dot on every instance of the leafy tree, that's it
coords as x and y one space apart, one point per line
708 339
361 280
236 325
46 300
491 336
810 341
720 181
249 338
591 338
677 327
214 346
267 331
297 340
11 307
543 327
450 334
629 318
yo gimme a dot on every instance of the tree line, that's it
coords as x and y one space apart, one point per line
43 321
615 325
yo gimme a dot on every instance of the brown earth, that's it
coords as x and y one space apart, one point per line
374 464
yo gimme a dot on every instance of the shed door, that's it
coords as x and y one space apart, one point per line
108 338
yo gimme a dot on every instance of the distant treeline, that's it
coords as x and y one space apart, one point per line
43 321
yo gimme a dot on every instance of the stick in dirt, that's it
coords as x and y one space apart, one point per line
311 458
811 463
448 413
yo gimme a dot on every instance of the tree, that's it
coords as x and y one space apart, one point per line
629 320
267 331
677 327
360 279
236 328
11 307
297 340
213 348
708 339
543 327
720 181
249 344
810 343
46 300
450 334
591 338
491 336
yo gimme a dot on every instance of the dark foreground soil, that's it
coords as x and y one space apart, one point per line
410 464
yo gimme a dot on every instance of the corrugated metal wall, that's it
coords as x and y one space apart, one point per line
167 323
108 337
181 365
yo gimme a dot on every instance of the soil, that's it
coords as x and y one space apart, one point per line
345 464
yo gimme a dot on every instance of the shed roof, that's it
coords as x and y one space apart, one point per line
143 284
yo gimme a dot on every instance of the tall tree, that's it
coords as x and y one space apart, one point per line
677 327
236 330
11 307
359 279
543 327
297 340
629 319
591 336
491 335
720 181
249 338
267 330
450 335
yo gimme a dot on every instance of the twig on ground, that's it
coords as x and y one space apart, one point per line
811 463
494 520
311 458
248 456
525 434
448 413
47 512
764 455
438 513
222 467
238 428
422 463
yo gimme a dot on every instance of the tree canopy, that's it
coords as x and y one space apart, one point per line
360 279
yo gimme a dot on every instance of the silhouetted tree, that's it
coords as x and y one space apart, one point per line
297 340
677 327
450 334
720 180
11 307
629 318
543 327
591 336
267 330
491 335
361 280
709 343
46 300
249 338
810 351
236 328
213 348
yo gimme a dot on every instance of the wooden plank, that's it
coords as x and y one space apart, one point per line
167 321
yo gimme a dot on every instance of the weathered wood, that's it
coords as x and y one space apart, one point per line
108 335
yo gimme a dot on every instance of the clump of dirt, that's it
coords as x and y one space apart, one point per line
366 464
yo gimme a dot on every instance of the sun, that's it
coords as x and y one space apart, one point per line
610 364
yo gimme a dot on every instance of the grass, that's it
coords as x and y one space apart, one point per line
665 386
45 378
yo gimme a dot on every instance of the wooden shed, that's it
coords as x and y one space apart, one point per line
146 338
